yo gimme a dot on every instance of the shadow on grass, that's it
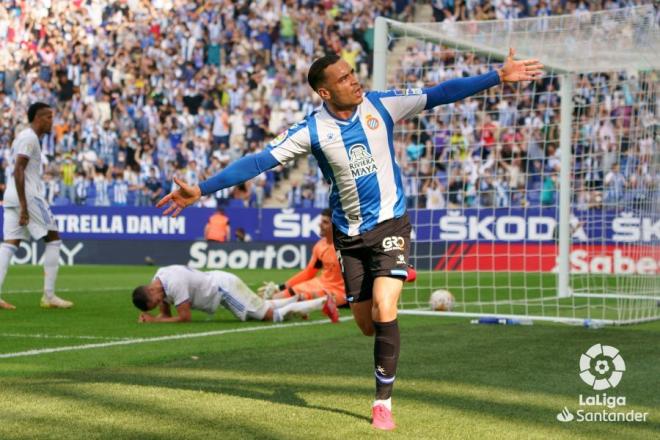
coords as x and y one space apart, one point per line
512 363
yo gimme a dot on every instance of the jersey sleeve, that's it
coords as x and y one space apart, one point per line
26 146
309 271
291 143
401 104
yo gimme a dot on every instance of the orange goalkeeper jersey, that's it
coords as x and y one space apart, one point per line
325 258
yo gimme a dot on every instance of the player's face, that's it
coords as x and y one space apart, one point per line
156 297
44 120
341 87
325 227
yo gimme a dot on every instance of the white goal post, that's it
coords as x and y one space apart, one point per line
536 200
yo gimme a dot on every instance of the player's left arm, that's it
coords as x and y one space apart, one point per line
404 104
182 310
460 88
165 310
19 179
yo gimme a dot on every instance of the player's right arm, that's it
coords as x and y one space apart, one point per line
19 179
307 273
288 145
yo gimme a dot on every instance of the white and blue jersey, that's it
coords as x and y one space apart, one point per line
356 156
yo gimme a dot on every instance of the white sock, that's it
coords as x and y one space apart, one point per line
6 252
303 307
51 266
387 403
277 303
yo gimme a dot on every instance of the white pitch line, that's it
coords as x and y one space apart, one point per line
94 289
163 338
42 336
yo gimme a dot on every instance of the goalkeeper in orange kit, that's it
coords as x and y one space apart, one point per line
305 284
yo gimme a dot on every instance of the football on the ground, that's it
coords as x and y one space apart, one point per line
441 300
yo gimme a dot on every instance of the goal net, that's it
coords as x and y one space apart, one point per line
539 199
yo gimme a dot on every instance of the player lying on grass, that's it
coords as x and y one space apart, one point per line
188 289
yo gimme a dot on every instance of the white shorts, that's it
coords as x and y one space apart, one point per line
41 221
238 298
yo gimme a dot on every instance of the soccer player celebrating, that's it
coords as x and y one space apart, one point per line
26 212
305 283
351 136
187 289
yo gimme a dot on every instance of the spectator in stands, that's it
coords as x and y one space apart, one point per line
153 187
225 81
218 229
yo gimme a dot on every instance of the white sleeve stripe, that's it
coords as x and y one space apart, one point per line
402 107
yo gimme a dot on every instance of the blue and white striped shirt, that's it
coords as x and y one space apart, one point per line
356 156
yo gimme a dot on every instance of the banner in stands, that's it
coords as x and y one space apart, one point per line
197 254
523 257
301 225
529 257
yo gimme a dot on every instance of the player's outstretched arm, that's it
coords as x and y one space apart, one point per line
460 88
179 198
243 169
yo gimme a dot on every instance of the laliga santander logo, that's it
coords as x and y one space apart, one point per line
602 367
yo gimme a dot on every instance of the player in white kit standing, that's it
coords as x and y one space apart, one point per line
26 212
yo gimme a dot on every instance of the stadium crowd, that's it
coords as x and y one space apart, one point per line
146 90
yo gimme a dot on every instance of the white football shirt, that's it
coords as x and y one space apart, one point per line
182 284
26 144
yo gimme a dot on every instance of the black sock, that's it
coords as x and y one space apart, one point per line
386 356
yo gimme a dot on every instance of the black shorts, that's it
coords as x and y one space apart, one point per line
381 252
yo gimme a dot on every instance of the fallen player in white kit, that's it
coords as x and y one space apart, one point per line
187 289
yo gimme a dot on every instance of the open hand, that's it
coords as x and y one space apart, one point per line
23 217
178 199
523 70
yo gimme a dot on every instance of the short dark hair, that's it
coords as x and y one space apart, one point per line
141 298
34 109
327 212
315 75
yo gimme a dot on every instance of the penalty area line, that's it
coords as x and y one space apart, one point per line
41 351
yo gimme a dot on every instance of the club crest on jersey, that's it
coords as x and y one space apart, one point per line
372 122
279 139
362 162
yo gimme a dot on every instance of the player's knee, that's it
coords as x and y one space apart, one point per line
382 311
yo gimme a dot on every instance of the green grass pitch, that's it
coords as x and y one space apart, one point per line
309 381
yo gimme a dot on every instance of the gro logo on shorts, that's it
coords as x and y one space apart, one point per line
602 367
393 243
